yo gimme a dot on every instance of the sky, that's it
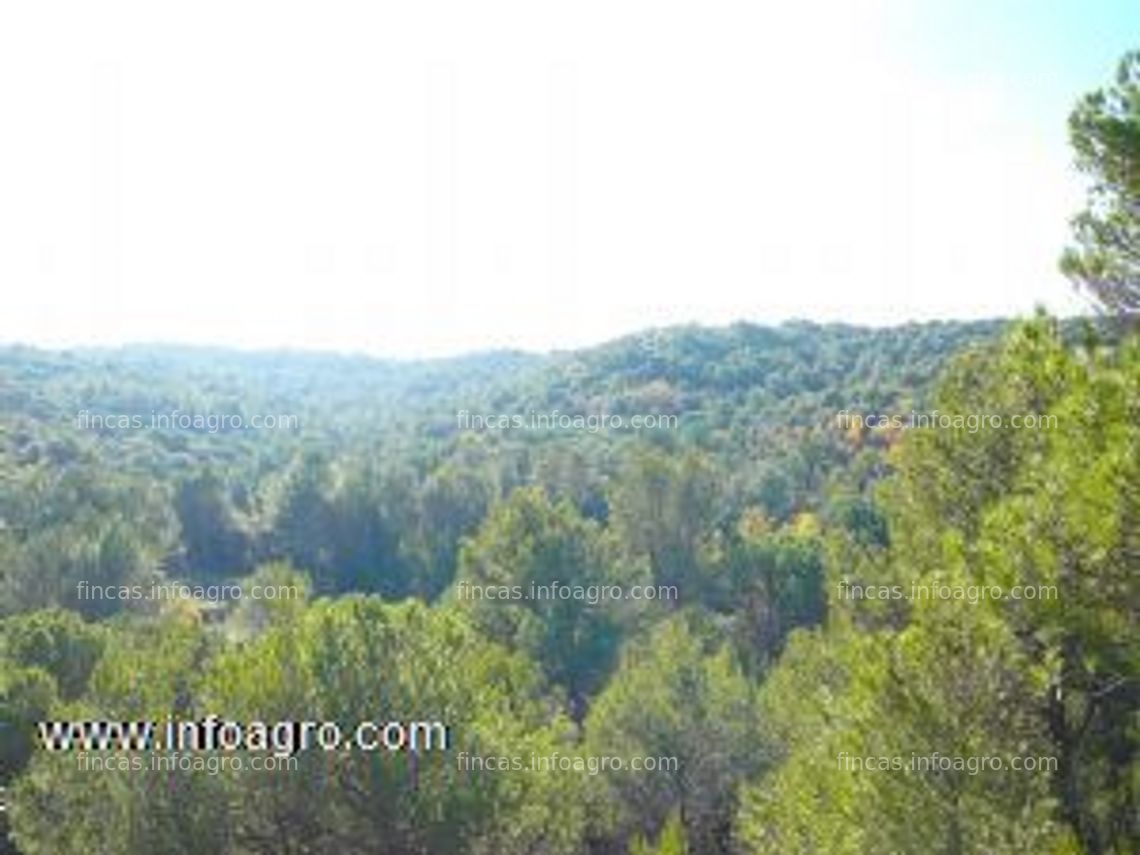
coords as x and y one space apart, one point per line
431 178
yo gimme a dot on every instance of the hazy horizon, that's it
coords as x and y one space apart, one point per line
302 350
424 182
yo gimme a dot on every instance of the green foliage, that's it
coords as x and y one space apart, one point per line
64 528
1105 133
358 660
351 661
756 679
1048 676
59 642
774 584
674 699
45 657
147 671
670 842
215 544
665 510
527 544
27 695
291 590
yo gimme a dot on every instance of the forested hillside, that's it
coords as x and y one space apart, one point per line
385 493
373 471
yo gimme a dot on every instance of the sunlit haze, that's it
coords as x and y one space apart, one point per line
439 177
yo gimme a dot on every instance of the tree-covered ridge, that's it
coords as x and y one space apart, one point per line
758 679
376 480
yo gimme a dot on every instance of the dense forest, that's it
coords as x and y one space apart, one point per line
376 502
767 490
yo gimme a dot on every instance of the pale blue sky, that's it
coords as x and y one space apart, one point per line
437 177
